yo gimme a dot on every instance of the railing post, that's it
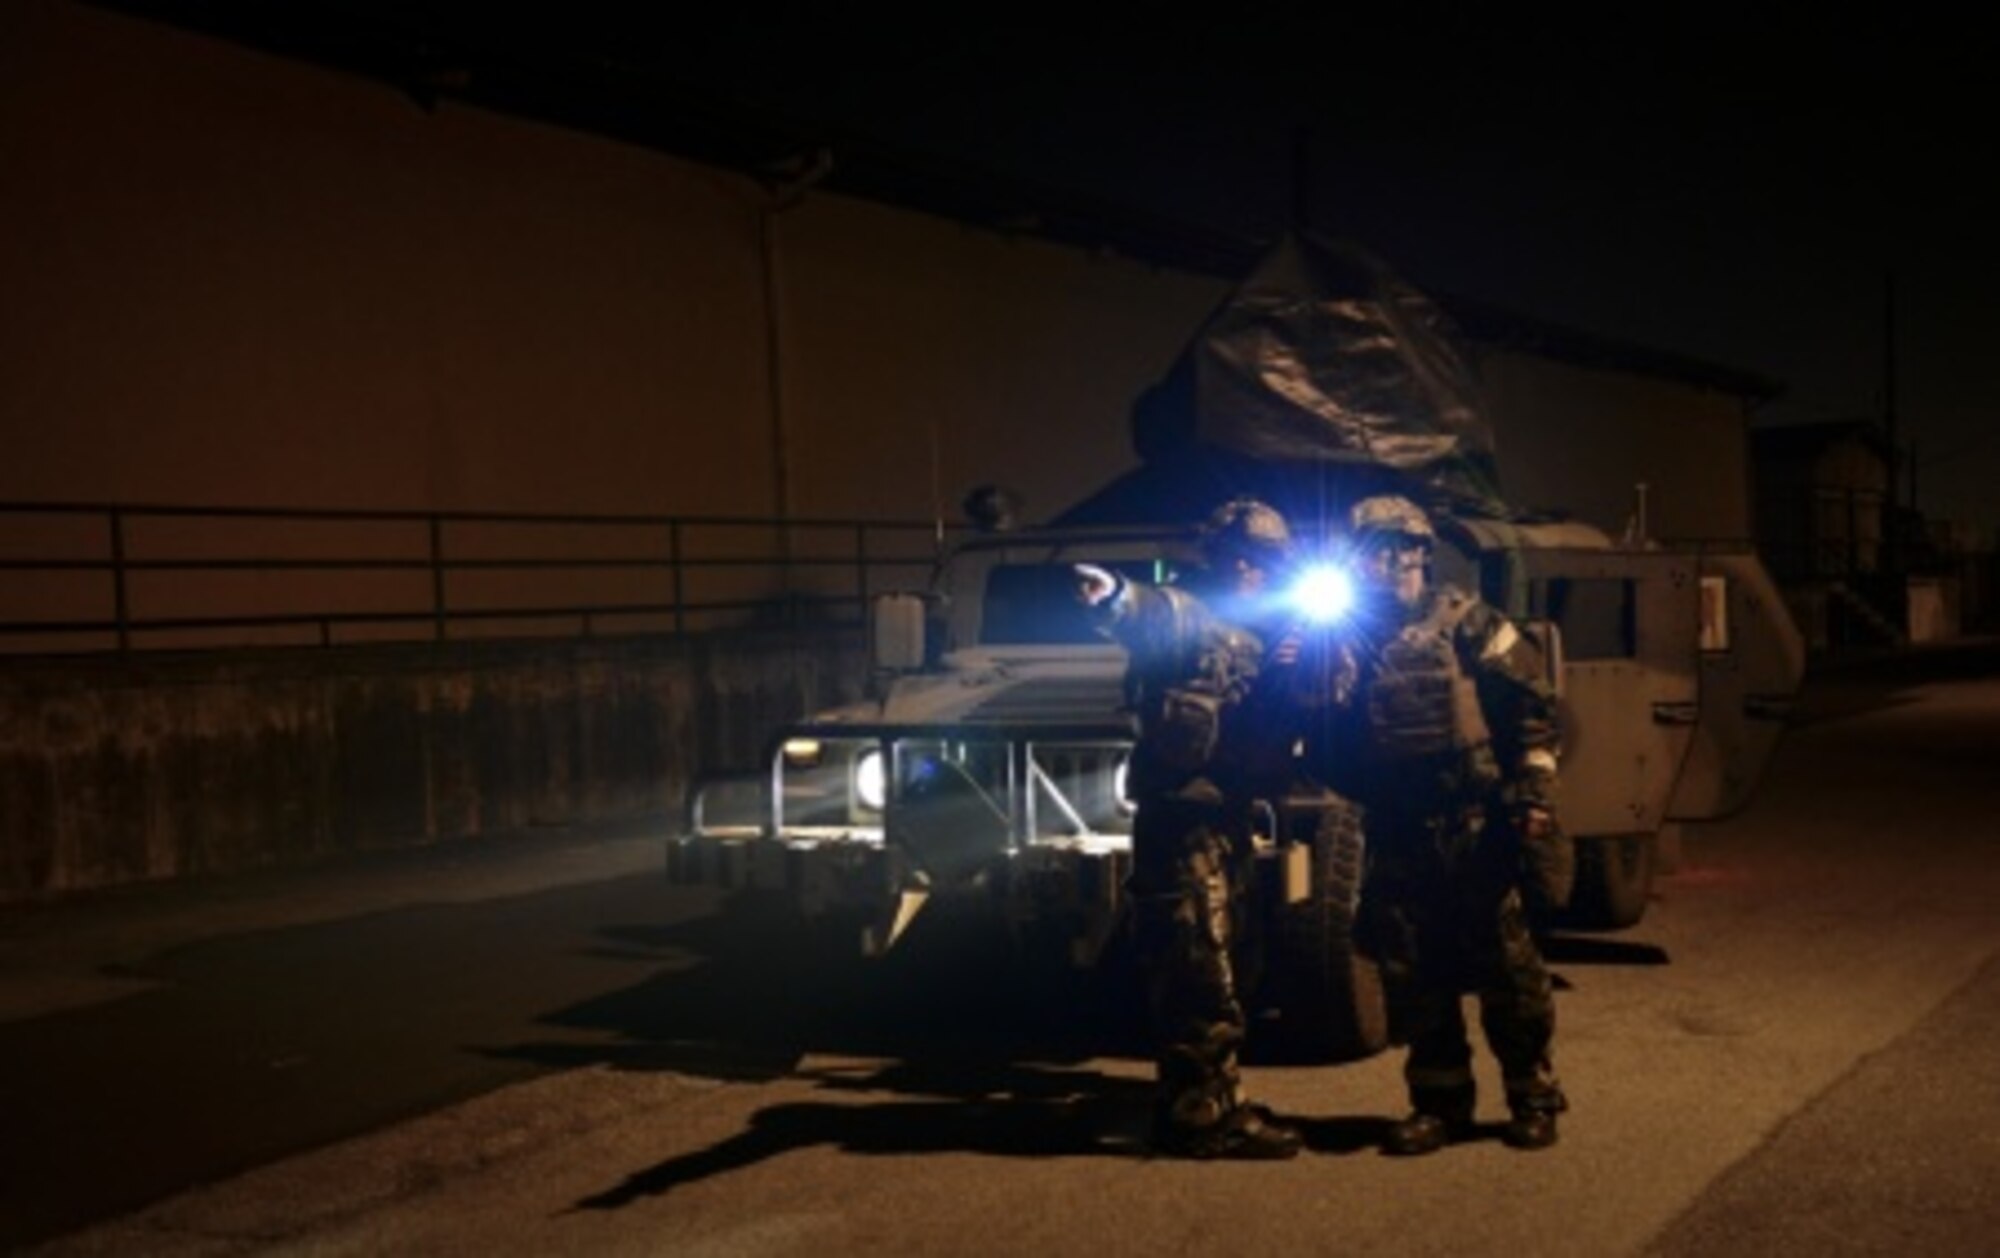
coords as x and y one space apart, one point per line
437 575
674 571
861 569
787 606
120 608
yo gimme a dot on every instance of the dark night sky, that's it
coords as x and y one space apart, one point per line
1737 190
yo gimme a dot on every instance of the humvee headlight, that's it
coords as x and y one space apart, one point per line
802 753
870 782
1324 593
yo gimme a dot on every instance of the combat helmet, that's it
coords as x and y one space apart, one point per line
1391 513
1246 527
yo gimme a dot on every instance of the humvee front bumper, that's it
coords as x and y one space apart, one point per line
875 823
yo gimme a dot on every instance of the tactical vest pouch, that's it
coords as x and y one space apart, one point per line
1183 732
1412 703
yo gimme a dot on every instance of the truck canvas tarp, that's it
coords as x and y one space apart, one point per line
1324 359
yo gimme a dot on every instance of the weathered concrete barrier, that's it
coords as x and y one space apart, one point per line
119 770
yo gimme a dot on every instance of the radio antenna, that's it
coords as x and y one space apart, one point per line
937 491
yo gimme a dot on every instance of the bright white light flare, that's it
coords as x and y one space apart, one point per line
1324 593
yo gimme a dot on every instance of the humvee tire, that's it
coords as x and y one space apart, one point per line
1614 881
1330 996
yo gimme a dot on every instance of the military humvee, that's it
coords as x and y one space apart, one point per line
992 763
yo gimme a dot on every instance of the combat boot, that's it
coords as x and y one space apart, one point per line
1246 1133
1440 1118
1534 1110
1423 1133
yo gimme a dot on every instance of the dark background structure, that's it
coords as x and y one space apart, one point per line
1739 186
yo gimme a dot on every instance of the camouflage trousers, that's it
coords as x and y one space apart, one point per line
1442 917
1184 876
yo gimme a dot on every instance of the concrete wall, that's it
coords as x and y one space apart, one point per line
119 771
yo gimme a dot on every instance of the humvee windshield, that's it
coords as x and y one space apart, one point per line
1035 604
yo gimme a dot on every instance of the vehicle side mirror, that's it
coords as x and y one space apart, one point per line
1548 636
896 632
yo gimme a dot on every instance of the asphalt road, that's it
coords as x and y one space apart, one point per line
1792 1053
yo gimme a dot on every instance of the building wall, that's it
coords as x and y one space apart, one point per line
1851 465
1820 510
927 355
232 279
1784 516
1582 438
1849 484
235 279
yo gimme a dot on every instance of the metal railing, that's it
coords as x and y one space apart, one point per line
122 577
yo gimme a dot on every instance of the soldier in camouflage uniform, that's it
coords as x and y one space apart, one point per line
1449 743
1212 694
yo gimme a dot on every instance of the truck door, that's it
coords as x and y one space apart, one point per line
1752 660
1631 687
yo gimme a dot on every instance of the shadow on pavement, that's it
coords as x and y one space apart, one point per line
982 1044
983 1049
1346 1133
1597 950
765 989
1010 1110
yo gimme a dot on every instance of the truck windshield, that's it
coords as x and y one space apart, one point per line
1035 604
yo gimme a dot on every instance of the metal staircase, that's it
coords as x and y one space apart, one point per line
1860 611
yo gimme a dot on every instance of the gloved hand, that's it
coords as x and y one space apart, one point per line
1534 822
1093 584
1548 857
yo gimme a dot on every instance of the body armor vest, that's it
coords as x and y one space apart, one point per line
1415 697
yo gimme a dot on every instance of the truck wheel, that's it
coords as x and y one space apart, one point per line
1614 881
1330 996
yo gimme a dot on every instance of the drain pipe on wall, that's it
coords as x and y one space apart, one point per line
813 168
